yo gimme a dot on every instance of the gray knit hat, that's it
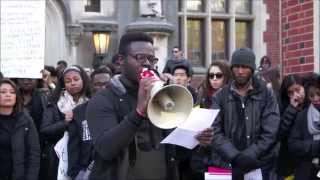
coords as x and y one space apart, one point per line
244 56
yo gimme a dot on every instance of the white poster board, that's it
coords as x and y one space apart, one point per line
22 38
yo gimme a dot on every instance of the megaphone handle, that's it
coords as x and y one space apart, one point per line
140 113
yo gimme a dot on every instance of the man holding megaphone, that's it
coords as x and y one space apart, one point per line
126 143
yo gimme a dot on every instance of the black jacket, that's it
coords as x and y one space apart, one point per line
116 130
80 147
285 164
171 64
303 147
51 131
53 126
36 107
25 149
203 157
261 116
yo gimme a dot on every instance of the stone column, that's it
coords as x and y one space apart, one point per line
153 22
74 35
160 42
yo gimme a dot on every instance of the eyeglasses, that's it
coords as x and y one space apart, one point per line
215 75
141 58
175 51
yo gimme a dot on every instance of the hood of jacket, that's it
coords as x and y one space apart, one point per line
121 86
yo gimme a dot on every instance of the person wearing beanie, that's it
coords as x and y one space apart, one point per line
245 57
245 131
243 66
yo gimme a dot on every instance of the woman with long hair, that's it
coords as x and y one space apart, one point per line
304 140
292 100
72 89
292 92
217 76
265 64
80 148
19 142
264 67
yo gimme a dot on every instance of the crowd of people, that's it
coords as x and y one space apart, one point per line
266 124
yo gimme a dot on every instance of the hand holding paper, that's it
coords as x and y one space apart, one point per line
185 134
205 137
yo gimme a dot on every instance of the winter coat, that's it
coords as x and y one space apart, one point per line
51 131
194 93
118 131
285 164
36 107
303 148
80 149
53 126
204 99
172 63
203 157
25 149
259 129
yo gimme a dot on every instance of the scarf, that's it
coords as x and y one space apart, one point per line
208 99
314 122
66 102
313 118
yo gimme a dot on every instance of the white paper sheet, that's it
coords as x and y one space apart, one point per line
61 149
198 120
208 176
253 175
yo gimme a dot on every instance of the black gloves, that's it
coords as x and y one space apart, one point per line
244 162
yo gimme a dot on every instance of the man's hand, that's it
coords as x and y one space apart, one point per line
46 78
205 137
145 86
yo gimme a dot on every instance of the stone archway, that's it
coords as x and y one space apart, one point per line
57 45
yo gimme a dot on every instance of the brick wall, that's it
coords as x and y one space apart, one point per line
297 36
272 34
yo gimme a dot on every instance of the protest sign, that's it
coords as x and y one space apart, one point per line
22 38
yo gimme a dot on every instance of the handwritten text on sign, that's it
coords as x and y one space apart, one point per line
22 38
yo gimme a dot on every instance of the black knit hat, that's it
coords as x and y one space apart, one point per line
244 56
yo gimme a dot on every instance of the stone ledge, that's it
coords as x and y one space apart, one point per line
151 24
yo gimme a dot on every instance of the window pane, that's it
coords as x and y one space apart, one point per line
194 5
243 6
195 41
92 6
243 34
219 40
218 5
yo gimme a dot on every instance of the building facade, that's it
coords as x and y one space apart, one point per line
206 30
300 36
